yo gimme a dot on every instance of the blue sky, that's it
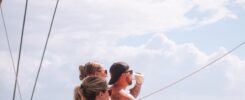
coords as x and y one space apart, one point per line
163 39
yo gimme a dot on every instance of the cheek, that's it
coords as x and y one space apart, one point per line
129 78
100 74
104 74
105 96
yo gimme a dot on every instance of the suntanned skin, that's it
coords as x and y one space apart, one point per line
118 89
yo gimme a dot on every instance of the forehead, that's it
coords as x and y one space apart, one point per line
102 66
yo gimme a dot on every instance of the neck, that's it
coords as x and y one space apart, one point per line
120 86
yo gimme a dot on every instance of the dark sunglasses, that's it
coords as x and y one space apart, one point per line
129 71
103 70
107 90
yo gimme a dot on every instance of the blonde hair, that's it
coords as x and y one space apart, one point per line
77 93
91 86
89 69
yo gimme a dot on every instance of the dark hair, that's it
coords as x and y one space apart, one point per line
116 71
91 86
89 69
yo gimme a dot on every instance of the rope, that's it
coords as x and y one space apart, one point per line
40 66
22 33
193 73
10 51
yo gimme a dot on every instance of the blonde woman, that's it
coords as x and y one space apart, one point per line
95 88
89 69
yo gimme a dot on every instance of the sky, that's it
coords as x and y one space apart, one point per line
162 39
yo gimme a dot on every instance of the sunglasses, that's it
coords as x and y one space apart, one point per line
108 90
105 71
129 71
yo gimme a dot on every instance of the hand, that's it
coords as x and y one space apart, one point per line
139 78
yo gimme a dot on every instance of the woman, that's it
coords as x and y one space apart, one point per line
95 88
92 69
89 69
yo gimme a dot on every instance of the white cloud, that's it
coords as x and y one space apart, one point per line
241 3
90 29
167 59
215 11
206 5
6 70
236 74
127 17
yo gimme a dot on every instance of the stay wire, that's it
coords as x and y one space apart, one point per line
10 51
193 73
22 33
40 66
